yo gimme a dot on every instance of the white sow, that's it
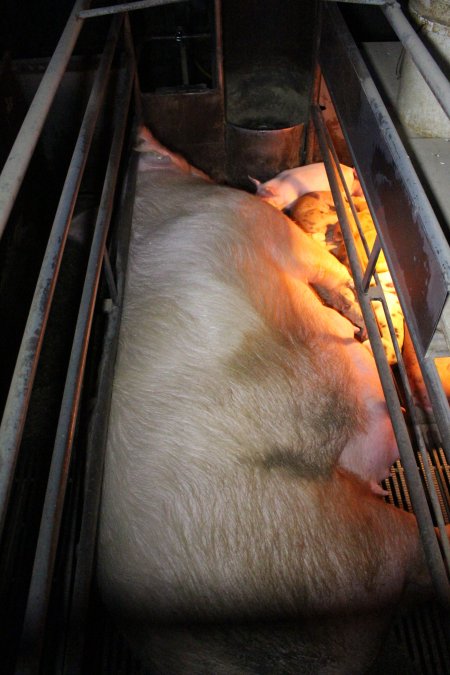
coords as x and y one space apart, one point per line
234 537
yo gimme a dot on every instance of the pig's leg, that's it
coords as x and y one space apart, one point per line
309 261
371 449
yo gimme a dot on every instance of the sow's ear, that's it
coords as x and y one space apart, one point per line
146 142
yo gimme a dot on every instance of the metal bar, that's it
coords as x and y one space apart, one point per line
427 66
109 274
397 200
20 390
124 7
441 408
361 2
19 158
73 662
370 269
96 445
421 509
38 597
418 430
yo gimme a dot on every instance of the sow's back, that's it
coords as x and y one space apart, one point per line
240 531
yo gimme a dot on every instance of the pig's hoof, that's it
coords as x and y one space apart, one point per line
347 304
377 489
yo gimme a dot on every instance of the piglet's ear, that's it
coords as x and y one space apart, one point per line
266 191
255 182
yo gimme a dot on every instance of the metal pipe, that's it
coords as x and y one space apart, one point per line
124 7
371 264
219 44
418 432
361 2
11 428
38 597
19 158
427 66
427 531
96 444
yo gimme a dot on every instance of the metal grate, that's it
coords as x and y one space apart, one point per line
423 633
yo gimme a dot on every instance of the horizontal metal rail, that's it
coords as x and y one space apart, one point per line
39 593
361 2
124 7
19 158
14 415
438 568
427 66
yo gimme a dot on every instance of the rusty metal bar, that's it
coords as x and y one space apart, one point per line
20 390
19 158
428 535
38 597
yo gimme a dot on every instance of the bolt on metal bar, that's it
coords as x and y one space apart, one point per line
124 7
427 66
38 597
19 158
427 532
11 428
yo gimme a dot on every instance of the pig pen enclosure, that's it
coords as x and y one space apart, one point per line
239 89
